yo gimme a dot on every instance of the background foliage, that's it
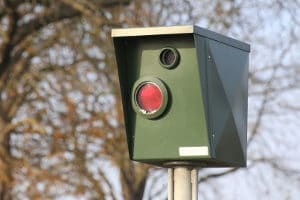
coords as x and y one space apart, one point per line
61 126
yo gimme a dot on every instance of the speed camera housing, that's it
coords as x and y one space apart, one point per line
184 93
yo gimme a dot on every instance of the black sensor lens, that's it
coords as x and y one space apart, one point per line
169 57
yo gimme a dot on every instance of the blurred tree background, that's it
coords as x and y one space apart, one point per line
61 126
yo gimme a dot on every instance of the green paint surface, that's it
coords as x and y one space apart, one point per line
183 123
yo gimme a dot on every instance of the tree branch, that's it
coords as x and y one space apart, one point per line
216 175
7 45
50 16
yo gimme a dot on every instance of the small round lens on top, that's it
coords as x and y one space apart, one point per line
169 57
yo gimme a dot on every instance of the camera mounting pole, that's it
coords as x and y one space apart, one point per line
182 183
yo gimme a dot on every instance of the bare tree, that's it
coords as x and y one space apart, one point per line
30 33
61 119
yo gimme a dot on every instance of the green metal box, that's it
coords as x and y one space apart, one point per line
203 121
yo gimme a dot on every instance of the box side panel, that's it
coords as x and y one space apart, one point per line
127 74
227 94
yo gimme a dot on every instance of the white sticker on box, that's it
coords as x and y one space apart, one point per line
193 151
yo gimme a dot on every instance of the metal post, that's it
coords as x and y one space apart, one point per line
182 183
194 177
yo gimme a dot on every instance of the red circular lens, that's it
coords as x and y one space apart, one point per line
149 97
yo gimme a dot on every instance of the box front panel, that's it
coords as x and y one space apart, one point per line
180 133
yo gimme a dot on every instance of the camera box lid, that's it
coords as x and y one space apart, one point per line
176 30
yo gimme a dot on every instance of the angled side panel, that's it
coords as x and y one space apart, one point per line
226 143
227 80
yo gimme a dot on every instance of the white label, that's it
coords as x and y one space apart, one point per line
193 151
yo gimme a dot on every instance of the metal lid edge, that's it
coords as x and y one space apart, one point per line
159 30
221 38
173 30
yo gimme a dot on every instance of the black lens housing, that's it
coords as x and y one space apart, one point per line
169 57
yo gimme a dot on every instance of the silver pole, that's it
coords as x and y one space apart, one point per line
194 177
182 183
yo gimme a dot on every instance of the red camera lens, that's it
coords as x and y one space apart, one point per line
149 97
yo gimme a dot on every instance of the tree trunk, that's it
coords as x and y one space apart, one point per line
5 164
134 193
5 191
139 191
133 180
